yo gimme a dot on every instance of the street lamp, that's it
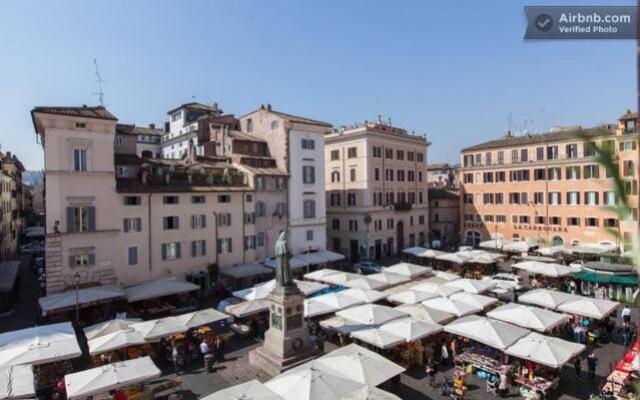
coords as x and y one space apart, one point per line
76 281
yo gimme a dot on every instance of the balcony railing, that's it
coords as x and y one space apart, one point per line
402 206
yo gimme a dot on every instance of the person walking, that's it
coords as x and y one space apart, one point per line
577 364
174 358
204 350
503 386
444 355
626 315
218 348
592 362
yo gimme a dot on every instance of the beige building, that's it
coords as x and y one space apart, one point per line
376 182
443 175
444 218
11 205
549 187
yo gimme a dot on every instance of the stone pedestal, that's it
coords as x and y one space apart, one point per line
286 342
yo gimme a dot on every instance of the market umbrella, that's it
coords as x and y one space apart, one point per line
454 307
447 276
409 270
366 283
159 288
308 382
91 295
17 382
108 377
252 390
358 364
201 317
476 286
411 329
411 297
115 341
105 328
39 345
547 269
341 278
159 328
441 289
329 303
378 338
550 351
493 244
476 300
535 318
544 298
342 325
455 258
389 278
261 291
493 333
365 295
414 251
248 308
369 393
420 312
320 274
588 307
372 314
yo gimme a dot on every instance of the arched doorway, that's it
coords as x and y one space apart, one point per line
400 235
473 238
557 241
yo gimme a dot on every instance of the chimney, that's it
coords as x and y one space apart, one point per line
152 126
268 107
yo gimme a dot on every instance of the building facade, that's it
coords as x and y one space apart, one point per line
12 205
550 188
142 141
182 128
297 145
443 175
444 218
377 198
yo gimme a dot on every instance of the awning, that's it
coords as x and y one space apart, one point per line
342 325
39 345
476 300
606 268
553 251
518 247
472 285
544 298
493 244
450 306
252 390
108 377
340 278
248 308
378 338
246 270
17 382
409 270
200 318
389 278
547 269
108 327
550 351
366 283
306 259
411 330
114 341
159 288
496 334
588 307
420 312
410 297
371 314
588 276
159 328
414 251
528 317
86 297
441 289
261 291
320 274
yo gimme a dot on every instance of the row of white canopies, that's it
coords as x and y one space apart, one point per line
459 257
348 373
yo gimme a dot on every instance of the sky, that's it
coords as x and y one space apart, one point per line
458 71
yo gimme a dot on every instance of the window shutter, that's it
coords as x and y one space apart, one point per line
91 212
125 226
193 221
229 247
204 220
204 247
92 259
177 224
178 244
138 224
165 223
72 261
164 251
193 249
70 219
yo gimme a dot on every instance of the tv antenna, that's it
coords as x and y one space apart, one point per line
100 92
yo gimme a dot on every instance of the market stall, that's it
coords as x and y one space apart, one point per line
544 274
262 291
410 297
475 286
476 300
336 301
96 303
371 314
450 306
98 382
440 288
254 390
529 317
409 270
161 297
17 382
420 312
320 274
496 334
608 281
250 317
550 299
244 275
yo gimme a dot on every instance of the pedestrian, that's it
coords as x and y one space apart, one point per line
626 315
204 350
573 287
174 358
577 364
188 353
454 347
431 371
444 355
592 362
503 386
626 333
218 348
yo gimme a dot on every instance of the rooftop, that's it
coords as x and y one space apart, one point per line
98 112
436 193
553 136
378 126
435 166
196 106
290 117
139 130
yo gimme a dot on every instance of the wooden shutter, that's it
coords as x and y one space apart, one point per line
193 248
72 261
70 219
164 251
125 226
204 220
92 259
91 214
178 245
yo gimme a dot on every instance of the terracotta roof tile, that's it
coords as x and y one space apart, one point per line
98 112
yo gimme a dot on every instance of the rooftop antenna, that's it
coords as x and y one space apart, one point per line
100 92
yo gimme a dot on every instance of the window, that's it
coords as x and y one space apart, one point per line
170 251
308 144
573 172
419 157
573 221
199 221
309 209
499 198
198 248
500 218
591 222
224 245
351 199
82 260
400 154
627 168
388 174
552 152
79 159
176 116
261 209
309 235
487 198
259 182
554 198
308 174
224 219
591 198
81 219
132 255
274 124
488 218
388 154
249 218
539 220
132 225
352 152
281 183
335 155
589 149
514 156
410 156
170 223
170 200
554 174
610 198
352 174
335 224
260 239
610 223
224 198
524 155
539 153
468 198
591 171
487 177
573 198
519 175
131 200
334 199
572 150
554 220
501 176
119 141
249 125
249 198
524 219
539 174
400 175
627 146
629 126
538 198
200 199
353 225
376 174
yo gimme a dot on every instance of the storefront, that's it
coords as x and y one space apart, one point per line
608 281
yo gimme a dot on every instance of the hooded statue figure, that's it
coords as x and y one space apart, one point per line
283 270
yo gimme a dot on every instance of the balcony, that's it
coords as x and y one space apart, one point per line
402 206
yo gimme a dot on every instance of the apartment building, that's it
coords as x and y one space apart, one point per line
444 218
142 141
377 199
443 175
297 145
549 187
182 129
120 218
12 205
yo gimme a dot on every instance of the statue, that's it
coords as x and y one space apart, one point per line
283 270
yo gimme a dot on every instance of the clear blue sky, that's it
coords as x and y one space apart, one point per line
454 70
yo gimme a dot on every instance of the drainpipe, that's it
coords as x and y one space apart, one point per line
215 239
149 231
244 251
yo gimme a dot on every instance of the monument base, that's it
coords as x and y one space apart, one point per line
269 362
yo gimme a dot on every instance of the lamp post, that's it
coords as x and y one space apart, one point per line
76 281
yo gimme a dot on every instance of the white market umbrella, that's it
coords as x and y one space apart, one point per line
547 269
550 351
369 393
252 390
518 247
115 341
476 286
364 295
159 328
92 295
430 253
371 314
553 250
538 319
341 278
248 308
493 333
455 258
411 329
378 338
414 251
366 283
199 318
358 364
342 325
493 244
454 307
410 297
320 274
107 327
108 377
17 382
409 270
262 291
389 278
588 307
447 276
159 288
39 345
422 313
308 382
544 298
440 289
476 300
329 303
